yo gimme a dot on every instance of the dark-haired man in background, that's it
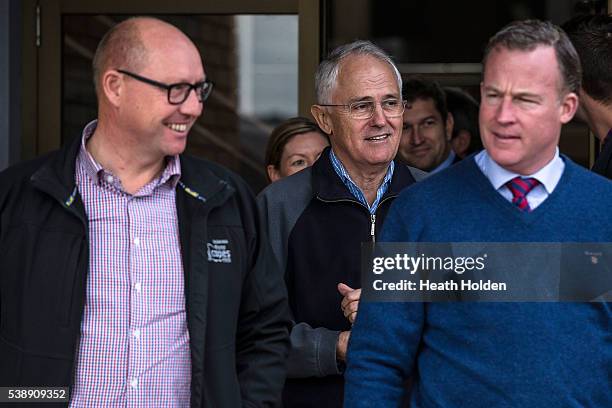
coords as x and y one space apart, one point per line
427 127
591 35
465 138
318 218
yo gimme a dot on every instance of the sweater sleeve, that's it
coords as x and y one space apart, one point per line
384 341
381 354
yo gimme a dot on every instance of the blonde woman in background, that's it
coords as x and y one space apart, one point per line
293 145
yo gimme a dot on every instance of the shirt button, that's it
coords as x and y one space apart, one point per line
138 287
136 334
136 241
134 382
109 179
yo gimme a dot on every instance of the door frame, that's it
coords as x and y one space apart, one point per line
42 42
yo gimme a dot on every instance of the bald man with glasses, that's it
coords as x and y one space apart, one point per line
130 273
318 218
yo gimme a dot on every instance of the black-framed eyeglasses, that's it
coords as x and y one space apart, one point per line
391 107
179 92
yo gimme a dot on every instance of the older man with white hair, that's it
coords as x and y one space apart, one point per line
318 218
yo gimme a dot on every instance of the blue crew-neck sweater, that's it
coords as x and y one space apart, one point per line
487 354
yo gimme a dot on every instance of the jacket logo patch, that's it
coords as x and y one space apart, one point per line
218 252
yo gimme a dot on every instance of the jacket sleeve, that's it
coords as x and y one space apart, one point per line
313 350
2 195
263 325
4 192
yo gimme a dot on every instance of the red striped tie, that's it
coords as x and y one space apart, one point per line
520 187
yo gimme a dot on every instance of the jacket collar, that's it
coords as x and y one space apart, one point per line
327 185
200 181
57 176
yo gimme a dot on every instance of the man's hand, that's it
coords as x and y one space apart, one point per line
350 301
341 345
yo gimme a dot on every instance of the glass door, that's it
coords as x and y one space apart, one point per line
250 50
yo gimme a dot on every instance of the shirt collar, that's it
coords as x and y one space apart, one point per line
446 163
354 189
93 169
171 173
548 176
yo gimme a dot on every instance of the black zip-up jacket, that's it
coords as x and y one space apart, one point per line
237 312
316 227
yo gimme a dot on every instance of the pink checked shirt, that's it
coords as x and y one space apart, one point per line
134 344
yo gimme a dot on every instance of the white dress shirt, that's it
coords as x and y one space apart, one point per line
548 176
446 163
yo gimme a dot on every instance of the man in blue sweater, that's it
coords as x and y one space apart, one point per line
518 190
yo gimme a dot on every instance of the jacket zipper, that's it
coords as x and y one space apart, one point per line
372 216
67 204
77 345
373 229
